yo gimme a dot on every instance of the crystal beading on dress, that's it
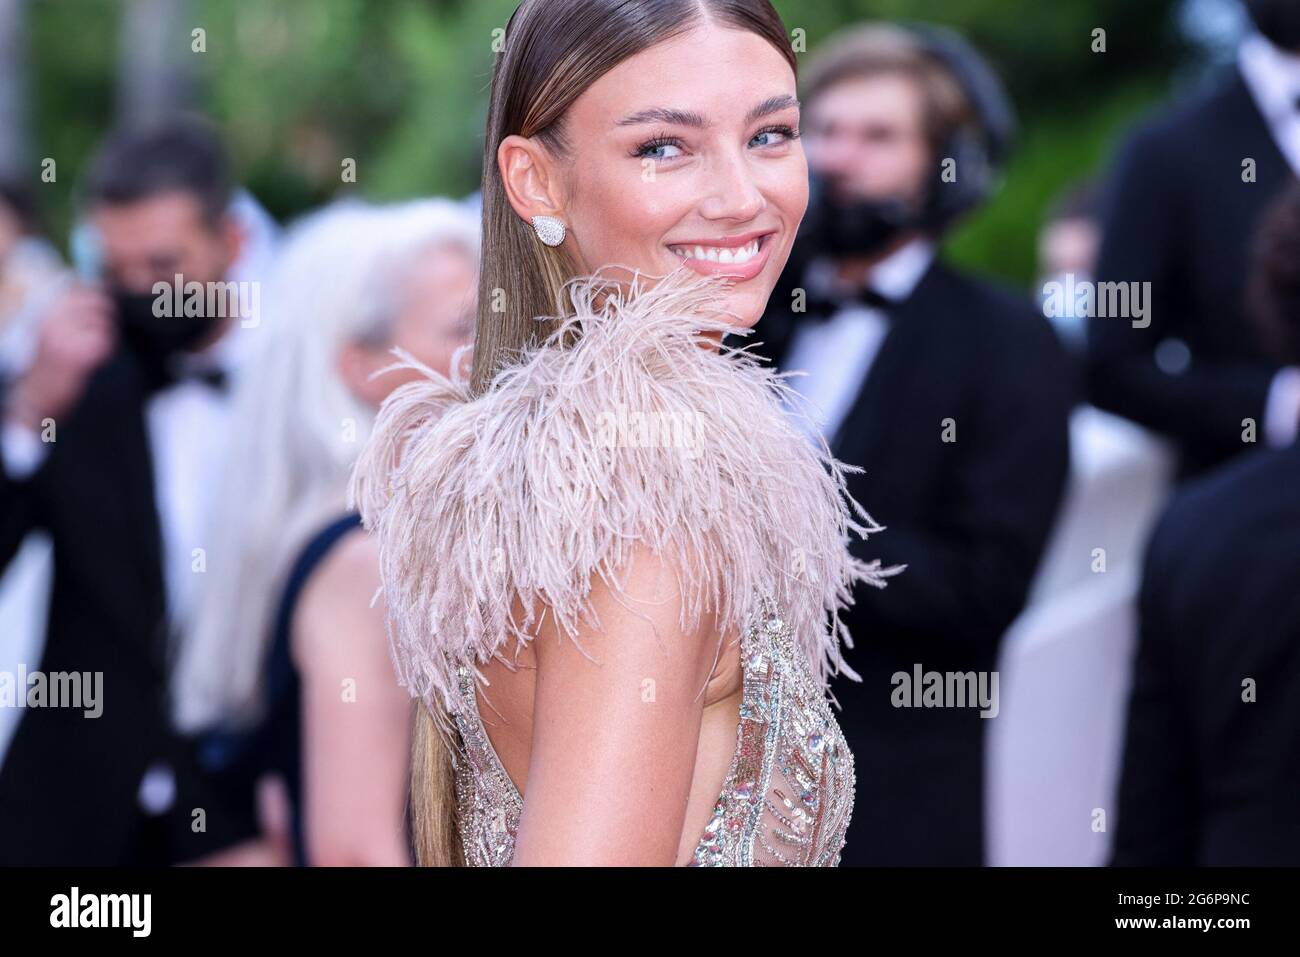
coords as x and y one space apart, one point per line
787 797
522 496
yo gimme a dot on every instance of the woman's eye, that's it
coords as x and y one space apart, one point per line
657 151
768 137
654 148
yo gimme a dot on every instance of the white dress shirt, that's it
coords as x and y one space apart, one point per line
189 427
837 354
1273 78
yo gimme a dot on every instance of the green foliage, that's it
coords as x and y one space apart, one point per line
1043 48
1057 151
401 87
73 57
1071 101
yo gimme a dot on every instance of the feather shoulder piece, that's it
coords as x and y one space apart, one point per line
627 427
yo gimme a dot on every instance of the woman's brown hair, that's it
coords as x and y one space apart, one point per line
553 51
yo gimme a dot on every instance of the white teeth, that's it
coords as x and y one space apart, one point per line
729 255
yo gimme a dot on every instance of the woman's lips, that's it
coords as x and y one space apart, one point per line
708 260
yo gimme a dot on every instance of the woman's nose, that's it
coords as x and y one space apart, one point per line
735 194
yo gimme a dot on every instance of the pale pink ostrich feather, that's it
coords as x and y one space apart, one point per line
528 491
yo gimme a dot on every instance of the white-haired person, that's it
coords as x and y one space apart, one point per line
286 678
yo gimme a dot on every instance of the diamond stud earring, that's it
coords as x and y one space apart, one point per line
549 230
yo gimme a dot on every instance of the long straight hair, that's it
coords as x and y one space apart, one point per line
554 50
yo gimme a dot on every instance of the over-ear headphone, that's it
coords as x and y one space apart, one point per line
975 152
979 152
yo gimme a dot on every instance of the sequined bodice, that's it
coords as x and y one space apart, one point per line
788 793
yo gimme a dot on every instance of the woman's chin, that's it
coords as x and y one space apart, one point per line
744 303
744 308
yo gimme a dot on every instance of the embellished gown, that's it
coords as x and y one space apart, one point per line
623 428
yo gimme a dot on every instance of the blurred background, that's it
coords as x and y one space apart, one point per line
401 86
347 119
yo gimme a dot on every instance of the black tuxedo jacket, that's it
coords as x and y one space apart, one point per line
1208 777
1179 216
68 785
968 517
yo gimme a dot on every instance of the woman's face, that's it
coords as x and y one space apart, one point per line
436 306
436 301
689 152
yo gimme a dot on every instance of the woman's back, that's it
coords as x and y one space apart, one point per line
773 782
505 710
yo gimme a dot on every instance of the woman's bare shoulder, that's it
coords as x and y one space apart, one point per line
338 615
643 598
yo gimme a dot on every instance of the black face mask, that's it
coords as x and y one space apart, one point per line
1279 20
156 338
859 227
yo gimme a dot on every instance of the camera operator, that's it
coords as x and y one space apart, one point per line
952 394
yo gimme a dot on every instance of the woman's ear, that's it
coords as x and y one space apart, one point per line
530 177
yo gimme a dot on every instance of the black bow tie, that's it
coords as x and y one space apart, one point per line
215 378
822 307
163 372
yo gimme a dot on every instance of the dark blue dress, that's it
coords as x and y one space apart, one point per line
274 745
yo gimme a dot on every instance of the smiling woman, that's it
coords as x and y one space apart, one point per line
686 594
605 121
657 166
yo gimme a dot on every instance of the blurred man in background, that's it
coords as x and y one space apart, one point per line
952 394
1185 197
1211 768
113 443
1067 253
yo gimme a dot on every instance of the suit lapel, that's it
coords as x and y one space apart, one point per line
107 488
144 518
1250 133
892 373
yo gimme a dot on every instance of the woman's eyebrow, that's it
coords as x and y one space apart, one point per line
660 114
773 104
